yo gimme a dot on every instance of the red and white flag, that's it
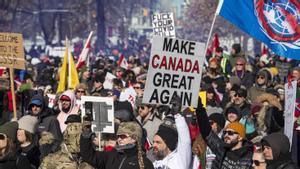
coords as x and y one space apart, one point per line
2 69
83 57
123 62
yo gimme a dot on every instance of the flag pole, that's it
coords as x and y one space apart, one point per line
209 36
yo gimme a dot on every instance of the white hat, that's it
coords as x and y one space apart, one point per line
28 123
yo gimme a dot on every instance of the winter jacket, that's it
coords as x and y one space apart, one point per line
280 146
32 153
181 157
225 158
150 125
14 161
116 159
247 78
68 155
62 116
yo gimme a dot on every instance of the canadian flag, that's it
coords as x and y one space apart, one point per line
123 62
83 57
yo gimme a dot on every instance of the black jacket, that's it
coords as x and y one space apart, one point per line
14 162
47 122
32 153
225 158
126 159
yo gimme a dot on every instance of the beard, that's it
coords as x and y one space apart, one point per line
65 110
230 144
160 154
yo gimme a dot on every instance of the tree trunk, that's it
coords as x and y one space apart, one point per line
100 25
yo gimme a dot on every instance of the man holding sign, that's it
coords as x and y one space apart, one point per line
175 68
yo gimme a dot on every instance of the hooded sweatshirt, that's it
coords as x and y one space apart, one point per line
62 116
280 146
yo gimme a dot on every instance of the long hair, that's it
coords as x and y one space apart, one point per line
140 155
9 151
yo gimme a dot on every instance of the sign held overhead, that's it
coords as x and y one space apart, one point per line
175 67
163 24
12 50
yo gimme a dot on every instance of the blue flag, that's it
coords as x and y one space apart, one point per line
274 22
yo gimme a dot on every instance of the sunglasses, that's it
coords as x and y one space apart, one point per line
257 162
122 136
230 133
239 64
260 77
2 136
80 91
137 87
142 107
34 105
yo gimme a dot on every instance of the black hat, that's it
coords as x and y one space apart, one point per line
237 47
168 133
242 92
233 109
73 118
218 118
123 115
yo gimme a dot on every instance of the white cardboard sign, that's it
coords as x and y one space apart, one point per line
102 111
163 24
175 67
290 100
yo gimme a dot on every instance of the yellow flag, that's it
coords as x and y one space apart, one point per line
68 76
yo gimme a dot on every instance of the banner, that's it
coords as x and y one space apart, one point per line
102 111
12 50
51 101
163 24
175 67
129 95
275 23
289 109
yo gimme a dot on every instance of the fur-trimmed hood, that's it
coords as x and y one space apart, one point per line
271 99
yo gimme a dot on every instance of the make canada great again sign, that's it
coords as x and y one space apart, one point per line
175 67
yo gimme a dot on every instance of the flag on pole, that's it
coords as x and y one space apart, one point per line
215 44
123 62
83 57
274 22
68 76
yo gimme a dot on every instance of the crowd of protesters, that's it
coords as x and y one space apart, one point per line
240 126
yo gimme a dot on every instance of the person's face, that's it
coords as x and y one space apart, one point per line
268 153
214 126
230 136
3 141
65 104
143 110
86 75
296 75
239 65
209 96
213 65
160 149
232 117
79 93
125 139
21 136
97 84
36 109
258 161
239 100
260 80
138 89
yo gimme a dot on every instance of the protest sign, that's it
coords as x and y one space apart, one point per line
11 50
290 99
163 24
129 95
175 67
108 83
51 101
102 111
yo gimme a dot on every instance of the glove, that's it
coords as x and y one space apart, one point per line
175 104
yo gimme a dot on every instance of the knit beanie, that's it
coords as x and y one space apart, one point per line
131 128
168 133
237 127
10 130
28 123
